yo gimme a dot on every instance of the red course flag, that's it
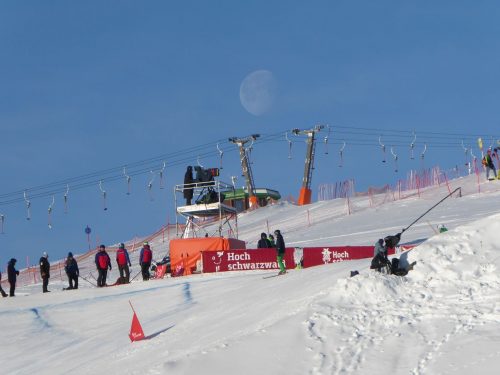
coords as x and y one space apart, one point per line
136 332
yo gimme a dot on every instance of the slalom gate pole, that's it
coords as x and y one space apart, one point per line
430 209
94 285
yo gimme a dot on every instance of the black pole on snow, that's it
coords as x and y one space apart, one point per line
81 277
137 274
430 209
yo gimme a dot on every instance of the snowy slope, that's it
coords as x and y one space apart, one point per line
442 318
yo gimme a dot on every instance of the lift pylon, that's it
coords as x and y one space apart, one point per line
305 191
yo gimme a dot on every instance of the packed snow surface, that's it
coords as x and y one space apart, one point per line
442 318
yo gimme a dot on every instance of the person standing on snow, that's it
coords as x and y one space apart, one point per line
490 166
280 251
102 263
123 261
71 268
1 289
145 258
263 243
271 240
12 274
45 271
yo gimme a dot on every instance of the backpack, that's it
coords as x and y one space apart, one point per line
103 262
146 255
120 257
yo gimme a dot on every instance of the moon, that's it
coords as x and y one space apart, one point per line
258 91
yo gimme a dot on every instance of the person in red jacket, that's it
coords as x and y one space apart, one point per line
123 261
145 258
102 263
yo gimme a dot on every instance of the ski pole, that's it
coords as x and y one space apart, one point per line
426 212
137 274
94 285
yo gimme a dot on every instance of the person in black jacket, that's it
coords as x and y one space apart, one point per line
71 268
188 179
280 250
1 290
12 276
45 271
263 243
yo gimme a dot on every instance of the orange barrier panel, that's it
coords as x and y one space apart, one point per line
186 252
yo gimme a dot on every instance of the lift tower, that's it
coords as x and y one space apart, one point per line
305 191
245 165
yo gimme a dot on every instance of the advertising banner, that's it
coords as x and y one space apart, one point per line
265 259
315 256
244 260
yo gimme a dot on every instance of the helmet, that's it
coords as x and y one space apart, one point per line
122 245
70 254
146 243
102 247
45 255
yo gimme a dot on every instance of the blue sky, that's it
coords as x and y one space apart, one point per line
89 86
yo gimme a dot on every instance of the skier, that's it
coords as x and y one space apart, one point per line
1 289
263 243
12 274
71 268
145 258
188 179
280 251
490 166
45 271
123 261
102 262
271 240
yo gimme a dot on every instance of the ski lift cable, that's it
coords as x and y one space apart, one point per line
102 173
144 166
379 130
86 184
